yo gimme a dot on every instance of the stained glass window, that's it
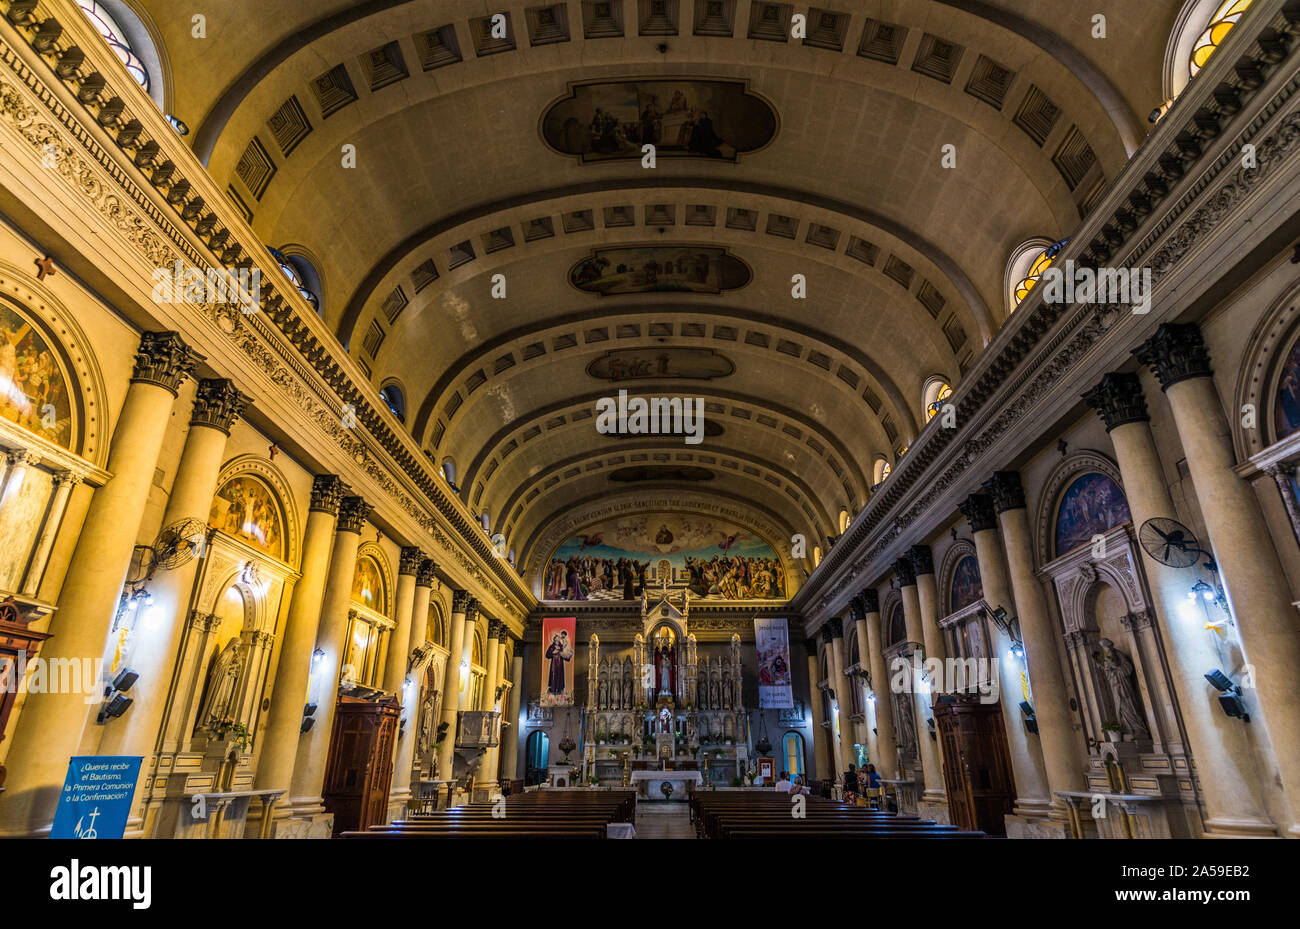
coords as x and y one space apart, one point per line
393 399
116 38
1221 23
1041 264
940 397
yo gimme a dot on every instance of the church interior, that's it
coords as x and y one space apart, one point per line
640 418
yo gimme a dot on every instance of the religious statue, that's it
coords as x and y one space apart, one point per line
602 698
627 691
665 671
426 722
1117 668
219 692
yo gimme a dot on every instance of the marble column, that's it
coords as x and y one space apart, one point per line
931 759
823 760
833 636
510 750
1256 585
451 686
331 640
50 728
217 404
400 649
873 642
281 732
487 770
927 593
1062 746
465 696
1220 750
64 481
1032 797
403 600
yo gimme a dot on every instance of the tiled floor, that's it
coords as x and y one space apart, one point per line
663 821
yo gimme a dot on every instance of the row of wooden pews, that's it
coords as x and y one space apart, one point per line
562 814
755 815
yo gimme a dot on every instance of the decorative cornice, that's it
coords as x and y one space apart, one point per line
1118 400
427 575
922 559
164 360
1007 491
979 512
353 513
327 491
410 560
1175 353
905 572
870 599
217 403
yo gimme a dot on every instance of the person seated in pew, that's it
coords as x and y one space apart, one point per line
797 787
871 778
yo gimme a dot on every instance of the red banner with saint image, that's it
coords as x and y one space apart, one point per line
559 636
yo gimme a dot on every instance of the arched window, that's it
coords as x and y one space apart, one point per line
817 555
1026 267
1201 27
449 472
302 274
792 752
937 392
511 558
880 471
486 521
130 40
391 394
844 520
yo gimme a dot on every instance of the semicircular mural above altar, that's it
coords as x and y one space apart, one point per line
712 558
610 120
658 269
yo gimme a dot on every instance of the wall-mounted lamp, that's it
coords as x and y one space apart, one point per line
1017 650
1229 695
1031 721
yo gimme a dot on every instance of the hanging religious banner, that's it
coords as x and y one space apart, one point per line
558 636
772 640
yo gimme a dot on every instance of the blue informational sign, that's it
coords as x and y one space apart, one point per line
96 797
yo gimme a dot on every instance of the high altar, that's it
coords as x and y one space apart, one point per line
674 710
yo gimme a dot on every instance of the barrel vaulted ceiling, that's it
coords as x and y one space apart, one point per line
455 183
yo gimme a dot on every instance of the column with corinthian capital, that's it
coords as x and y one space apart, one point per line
50 729
934 797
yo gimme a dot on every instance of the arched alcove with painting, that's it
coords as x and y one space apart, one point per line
1114 646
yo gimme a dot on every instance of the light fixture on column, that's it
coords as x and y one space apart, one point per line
1031 721
1229 695
1017 650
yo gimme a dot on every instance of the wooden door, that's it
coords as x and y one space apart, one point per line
976 765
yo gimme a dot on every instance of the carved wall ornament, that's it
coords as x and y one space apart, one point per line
163 359
1118 400
218 403
327 493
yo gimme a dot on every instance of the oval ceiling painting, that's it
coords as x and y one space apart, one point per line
609 120
656 269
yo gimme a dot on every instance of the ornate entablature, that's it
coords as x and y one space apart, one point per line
286 340
1036 362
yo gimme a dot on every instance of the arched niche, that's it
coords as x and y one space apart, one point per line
254 506
1268 387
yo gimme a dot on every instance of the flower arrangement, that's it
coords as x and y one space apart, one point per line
228 726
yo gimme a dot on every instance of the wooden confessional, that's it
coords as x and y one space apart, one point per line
360 766
976 764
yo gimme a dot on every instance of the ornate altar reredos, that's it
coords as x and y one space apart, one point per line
664 701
